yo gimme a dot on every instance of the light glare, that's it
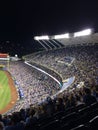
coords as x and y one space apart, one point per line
41 37
61 36
83 33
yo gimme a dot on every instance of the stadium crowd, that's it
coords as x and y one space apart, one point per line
84 66
37 108
79 104
35 85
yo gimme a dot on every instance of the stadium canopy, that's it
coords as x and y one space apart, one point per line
47 42
83 33
55 41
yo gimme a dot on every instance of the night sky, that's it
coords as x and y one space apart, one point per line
21 20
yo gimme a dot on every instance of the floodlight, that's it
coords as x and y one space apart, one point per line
83 33
16 55
66 35
41 37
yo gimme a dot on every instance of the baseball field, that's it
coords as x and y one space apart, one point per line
8 92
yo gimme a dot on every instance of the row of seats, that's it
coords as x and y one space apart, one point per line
73 118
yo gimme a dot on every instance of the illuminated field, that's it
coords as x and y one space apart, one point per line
5 92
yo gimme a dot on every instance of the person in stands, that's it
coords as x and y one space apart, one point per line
88 98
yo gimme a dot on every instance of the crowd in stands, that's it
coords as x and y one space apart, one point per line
34 84
84 66
66 110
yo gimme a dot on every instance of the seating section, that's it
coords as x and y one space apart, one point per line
75 108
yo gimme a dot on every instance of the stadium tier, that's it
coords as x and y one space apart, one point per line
60 41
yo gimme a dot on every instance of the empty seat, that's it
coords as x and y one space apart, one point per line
84 110
81 127
69 110
94 105
94 123
59 115
51 125
44 121
81 106
68 118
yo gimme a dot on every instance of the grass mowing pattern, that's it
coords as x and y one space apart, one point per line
5 93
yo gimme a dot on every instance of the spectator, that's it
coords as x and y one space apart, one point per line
88 98
2 126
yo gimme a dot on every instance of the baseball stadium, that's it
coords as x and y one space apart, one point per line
56 87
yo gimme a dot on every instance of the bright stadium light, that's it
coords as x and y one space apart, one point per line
66 35
83 33
41 37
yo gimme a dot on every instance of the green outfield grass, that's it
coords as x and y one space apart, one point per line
5 93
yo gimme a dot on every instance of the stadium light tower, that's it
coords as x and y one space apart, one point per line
61 36
41 38
83 33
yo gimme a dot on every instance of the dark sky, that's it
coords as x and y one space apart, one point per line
21 20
